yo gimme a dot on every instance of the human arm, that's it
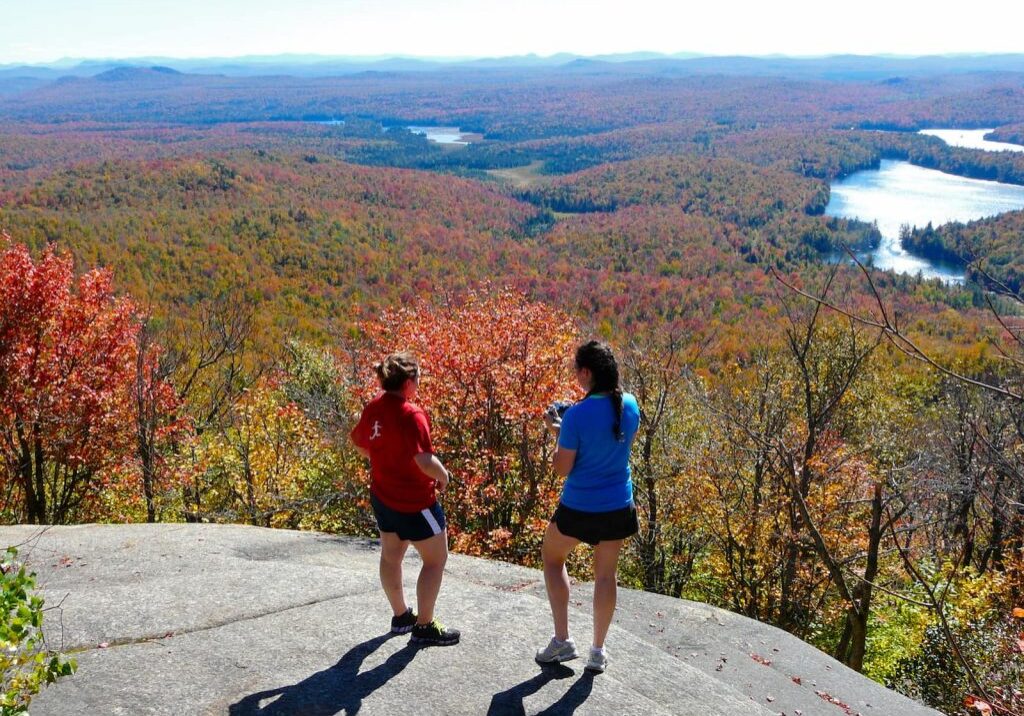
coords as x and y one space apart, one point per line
564 456
423 450
431 466
563 460
358 438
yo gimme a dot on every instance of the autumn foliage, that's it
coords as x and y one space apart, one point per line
851 499
492 364
67 366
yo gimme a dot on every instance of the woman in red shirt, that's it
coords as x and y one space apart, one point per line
405 475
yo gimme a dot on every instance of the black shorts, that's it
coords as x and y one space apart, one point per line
412 526
594 527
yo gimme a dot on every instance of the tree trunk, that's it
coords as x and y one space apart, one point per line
853 643
148 476
653 576
34 509
39 465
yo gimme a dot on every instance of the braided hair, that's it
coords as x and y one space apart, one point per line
598 358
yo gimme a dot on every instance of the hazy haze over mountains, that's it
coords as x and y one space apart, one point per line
15 78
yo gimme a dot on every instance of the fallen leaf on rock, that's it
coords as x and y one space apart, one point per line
983 707
825 696
761 660
797 680
518 587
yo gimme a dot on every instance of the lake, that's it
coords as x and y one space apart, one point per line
441 135
971 139
901 193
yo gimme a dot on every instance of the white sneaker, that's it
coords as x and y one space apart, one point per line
557 651
597 661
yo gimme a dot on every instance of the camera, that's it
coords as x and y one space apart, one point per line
557 409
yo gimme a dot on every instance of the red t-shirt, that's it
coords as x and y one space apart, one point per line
395 431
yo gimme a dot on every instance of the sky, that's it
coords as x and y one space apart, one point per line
38 31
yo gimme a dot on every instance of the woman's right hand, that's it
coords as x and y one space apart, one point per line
552 423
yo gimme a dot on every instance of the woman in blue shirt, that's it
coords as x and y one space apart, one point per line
594 440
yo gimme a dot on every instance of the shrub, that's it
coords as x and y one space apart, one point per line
26 662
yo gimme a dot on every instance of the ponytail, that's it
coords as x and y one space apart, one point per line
393 371
599 359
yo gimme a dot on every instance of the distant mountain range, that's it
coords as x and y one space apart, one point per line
18 80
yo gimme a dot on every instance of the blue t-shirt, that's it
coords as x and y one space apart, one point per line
600 477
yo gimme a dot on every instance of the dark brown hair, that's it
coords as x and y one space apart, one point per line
598 357
394 370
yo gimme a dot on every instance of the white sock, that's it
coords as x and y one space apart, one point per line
561 641
597 650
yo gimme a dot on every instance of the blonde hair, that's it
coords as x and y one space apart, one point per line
394 370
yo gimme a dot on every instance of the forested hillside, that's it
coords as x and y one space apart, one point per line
197 274
991 248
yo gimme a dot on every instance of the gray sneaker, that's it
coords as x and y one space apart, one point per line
556 651
596 662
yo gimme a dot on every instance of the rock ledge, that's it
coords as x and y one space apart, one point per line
228 619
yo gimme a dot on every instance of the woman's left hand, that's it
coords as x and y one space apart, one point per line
442 484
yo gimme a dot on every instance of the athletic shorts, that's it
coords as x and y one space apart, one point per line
594 527
412 526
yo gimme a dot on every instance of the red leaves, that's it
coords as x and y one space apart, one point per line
67 366
825 696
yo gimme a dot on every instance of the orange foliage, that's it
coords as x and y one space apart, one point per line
491 364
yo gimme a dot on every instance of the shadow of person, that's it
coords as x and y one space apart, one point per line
337 690
573 698
510 701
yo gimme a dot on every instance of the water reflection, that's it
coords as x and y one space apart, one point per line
900 193
972 139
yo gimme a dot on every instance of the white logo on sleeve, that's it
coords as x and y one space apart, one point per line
376 430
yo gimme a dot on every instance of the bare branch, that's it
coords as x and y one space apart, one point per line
896 337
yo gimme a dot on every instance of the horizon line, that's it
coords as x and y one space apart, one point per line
308 58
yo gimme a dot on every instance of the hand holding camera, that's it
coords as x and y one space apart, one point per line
555 411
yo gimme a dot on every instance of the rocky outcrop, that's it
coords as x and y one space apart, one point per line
227 619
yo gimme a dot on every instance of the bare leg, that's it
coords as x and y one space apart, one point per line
606 562
434 553
555 551
392 551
